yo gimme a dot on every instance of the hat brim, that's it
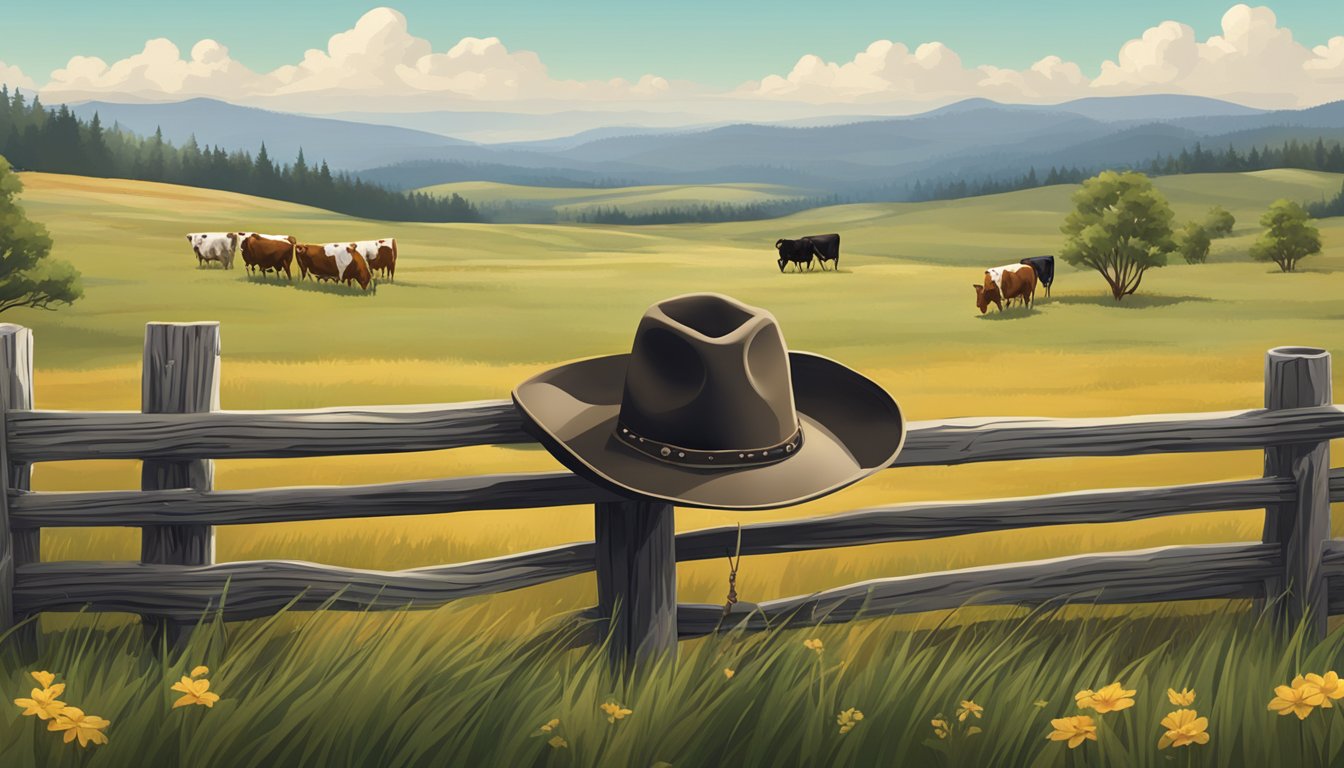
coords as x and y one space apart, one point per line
851 428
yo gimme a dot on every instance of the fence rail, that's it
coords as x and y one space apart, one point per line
634 551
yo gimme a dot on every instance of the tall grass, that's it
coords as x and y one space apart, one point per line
359 690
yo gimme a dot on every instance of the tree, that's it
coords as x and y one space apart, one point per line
1288 237
1192 242
28 277
1121 227
1219 222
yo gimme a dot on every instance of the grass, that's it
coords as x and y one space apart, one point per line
574 200
466 696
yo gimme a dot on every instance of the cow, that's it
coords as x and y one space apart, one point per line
824 248
381 255
1003 284
1045 270
827 248
214 246
268 252
341 262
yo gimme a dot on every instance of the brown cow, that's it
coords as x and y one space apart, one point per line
380 254
341 262
268 252
1003 284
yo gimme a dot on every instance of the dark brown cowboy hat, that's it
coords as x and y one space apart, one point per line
710 409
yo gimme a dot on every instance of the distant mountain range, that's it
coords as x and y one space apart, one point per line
845 154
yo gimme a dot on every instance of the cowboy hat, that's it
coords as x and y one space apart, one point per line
710 409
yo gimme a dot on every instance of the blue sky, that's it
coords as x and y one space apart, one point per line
713 42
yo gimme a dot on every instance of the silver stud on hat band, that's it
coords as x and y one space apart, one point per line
682 456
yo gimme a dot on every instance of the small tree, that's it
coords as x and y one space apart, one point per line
1192 242
1219 222
1121 227
1288 237
28 278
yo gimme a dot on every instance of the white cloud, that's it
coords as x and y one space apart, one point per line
379 64
14 77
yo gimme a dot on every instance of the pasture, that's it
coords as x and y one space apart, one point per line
477 308
570 201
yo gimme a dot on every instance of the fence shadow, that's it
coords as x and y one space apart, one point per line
1137 301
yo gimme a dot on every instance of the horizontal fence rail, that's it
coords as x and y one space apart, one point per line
70 435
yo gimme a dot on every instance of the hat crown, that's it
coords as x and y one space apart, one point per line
709 373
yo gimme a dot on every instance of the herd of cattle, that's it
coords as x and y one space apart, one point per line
342 262
1001 284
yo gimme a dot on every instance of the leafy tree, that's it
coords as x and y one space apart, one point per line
1288 237
1219 222
1121 227
28 278
1192 242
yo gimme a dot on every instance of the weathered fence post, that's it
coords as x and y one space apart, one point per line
16 547
180 375
1299 377
637 579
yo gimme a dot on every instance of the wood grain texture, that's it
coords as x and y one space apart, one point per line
59 435
636 580
421 497
260 588
1153 575
15 388
180 375
1298 377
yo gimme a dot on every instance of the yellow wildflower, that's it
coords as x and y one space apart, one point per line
969 708
196 692
848 719
1299 698
1330 686
199 671
43 678
1040 703
813 645
615 712
550 725
941 728
974 729
1074 730
43 703
557 742
1185 698
728 673
1112 698
77 725
1184 727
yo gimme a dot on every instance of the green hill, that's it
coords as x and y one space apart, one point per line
570 201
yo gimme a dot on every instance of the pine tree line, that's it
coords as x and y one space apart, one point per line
955 189
705 213
35 138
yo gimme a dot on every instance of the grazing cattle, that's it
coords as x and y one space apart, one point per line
824 248
214 246
827 248
341 262
380 254
268 252
1003 284
1045 270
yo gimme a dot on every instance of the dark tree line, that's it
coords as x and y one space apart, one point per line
705 213
1325 208
958 188
35 138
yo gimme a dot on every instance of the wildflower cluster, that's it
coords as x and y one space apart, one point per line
615 711
552 728
44 703
847 719
1184 726
195 689
1306 694
944 728
1181 728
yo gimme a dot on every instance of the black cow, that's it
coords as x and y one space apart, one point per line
1044 267
801 251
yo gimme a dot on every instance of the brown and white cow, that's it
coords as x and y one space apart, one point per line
267 252
1003 284
341 262
214 246
380 254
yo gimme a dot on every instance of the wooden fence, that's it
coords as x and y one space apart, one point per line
634 553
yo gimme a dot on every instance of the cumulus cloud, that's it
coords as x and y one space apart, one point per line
381 64
14 77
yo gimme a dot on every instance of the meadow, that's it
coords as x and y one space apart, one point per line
571 201
478 307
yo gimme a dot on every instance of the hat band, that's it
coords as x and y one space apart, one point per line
691 457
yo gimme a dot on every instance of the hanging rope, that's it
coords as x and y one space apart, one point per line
734 560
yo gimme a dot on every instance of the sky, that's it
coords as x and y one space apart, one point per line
416 55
